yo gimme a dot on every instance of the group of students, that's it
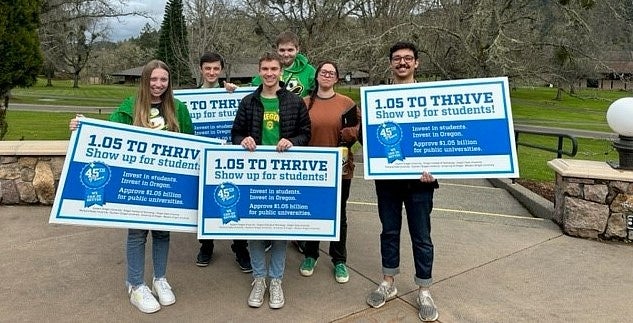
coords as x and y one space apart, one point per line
294 105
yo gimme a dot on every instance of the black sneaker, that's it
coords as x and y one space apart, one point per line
203 259
301 245
268 245
244 263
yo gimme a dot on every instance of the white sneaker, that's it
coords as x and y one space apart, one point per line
256 298
161 288
276 294
142 298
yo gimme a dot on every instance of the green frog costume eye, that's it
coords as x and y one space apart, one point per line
294 86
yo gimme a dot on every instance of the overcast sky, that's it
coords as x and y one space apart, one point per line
128 27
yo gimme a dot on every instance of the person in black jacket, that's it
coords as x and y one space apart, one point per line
277 117
211 66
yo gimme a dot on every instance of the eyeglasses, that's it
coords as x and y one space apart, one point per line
325 73
407 59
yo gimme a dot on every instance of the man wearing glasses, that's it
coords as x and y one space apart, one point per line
417 197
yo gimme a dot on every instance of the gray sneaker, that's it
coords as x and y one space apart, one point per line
382 294
256 298
276 294
428 310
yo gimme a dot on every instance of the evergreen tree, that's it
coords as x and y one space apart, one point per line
147 42
173 47
148 39
20 57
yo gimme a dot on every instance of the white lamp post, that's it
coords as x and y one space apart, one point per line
620 119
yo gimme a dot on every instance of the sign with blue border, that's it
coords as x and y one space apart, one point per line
452 129
212 110
122 176
270 195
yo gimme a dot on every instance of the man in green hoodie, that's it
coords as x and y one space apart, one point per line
298 74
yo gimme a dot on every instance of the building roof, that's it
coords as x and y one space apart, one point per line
355 74
136 71
238 70
616 62
241 70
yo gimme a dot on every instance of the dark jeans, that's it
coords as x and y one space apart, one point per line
240 247
418 202
338 249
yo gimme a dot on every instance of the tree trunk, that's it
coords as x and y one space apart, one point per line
4 106
559 94
49 72
76 80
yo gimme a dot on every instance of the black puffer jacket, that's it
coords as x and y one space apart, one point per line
294 120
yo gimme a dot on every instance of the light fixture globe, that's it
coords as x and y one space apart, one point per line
620 119
620 116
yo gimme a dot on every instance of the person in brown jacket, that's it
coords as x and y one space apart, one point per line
327 111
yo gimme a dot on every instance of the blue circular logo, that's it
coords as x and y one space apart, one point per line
389 133
95 175
226 195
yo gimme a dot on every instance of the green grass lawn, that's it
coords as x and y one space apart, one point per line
34 125
63 93
530 105
533 162
587 110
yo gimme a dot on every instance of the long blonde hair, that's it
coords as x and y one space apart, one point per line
143 102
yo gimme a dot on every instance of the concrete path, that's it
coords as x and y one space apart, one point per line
494 262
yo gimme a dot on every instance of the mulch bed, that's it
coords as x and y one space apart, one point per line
544 189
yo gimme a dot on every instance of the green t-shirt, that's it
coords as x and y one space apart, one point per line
270 124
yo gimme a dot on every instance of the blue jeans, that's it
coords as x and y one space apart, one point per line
135 251
338 249
277 258
418 202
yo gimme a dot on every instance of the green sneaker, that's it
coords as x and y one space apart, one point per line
340 273
307 266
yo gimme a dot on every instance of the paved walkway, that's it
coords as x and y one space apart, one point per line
494 263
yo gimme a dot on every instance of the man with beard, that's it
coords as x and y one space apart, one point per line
417 197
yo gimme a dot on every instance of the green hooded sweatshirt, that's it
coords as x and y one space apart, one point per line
298 77
125 114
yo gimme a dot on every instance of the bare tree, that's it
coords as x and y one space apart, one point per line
323 26
220 27
70 29
543 41
111 58
376 25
